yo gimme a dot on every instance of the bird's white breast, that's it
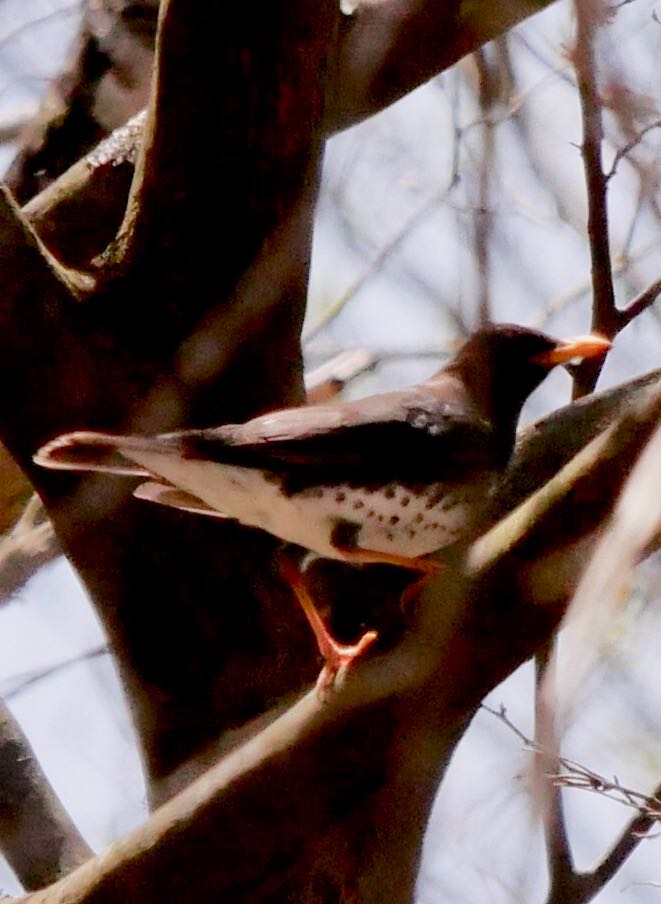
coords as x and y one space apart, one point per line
393 520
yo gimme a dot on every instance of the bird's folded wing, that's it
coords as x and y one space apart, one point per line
409 434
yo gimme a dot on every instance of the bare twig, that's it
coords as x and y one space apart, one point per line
606 318
23 682
573 774
629 146
482 217
374 266
604 313
558 848
640 303
581 887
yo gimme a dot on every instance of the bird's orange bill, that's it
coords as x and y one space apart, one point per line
580 347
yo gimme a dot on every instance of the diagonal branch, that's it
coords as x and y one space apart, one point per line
426 688
640 303
589 884
571 887
37 836
389 47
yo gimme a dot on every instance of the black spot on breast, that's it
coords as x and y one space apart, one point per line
389 492
394 519
419 518
370 514
358 504
345 534
340 496
405 500
389 535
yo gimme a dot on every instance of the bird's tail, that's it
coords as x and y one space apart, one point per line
89 451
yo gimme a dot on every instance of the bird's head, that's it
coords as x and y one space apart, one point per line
503 364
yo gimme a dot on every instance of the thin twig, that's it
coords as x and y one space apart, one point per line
482 216
604 312
629 146
375 265
583 886
25 681
558 848
640 303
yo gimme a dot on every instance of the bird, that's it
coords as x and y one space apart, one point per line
390 478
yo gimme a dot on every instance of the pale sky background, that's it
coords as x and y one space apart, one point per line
484 843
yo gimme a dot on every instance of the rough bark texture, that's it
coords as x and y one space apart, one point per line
192 317
332 784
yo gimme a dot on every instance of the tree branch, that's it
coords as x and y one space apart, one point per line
37 836
103 83
26 548
344 752
558 848
567 886
389 47
640 303
604 311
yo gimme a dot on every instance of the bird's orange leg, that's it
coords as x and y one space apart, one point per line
335 654
360 556
426 568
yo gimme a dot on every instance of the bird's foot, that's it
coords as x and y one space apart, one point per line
339 656
336 655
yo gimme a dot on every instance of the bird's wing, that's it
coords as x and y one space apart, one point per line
413 433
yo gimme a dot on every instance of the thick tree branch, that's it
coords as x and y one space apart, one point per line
378 32
459 644
389 47
182 333
104 82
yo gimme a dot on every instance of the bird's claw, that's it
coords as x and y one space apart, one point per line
340 657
